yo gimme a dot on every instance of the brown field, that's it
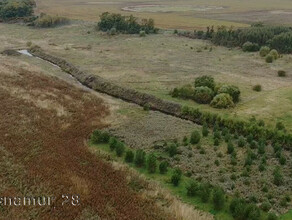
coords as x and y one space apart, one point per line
44 125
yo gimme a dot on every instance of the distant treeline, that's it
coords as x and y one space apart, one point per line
11 9
125 24
275 37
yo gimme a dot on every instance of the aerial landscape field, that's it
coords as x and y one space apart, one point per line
146 109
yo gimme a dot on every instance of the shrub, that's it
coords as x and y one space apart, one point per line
98 137
257 88
112 31
233 91
222 100
278 177
281 73
113 143
218 198
264 51
205 192
192 188
140 158
129 158
163 167
282 42
252 212
216 142
146 107
206 81
172 149
274 53
282 160
266 206
142 34
203 95
280 126
120 148
176 177
261 149
262 167
16 9
241 142
250 47
230 148
151 163
46 21
185 92
195 137
205 130
272 216
237 208
269 58
217 163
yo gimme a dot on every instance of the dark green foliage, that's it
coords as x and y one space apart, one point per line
230 147
272 216
281 73
125 24
233 91
46 21
185 92
252 212
261 149
217 163
253 144
129 158
120 148
250 47
205 81
16 9
216 142
192 188
282 42
172 149
99 137
163 167
278 177
218 198
280 126
176 177
227 138
282 160
262 167
205 192
203 95
249 138
195 137
113 143
140 158
237 208
205 130
248 161
257 88
146 107
266 206
274 53
241 142
222 100
151 163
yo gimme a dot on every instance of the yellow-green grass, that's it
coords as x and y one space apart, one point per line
158 63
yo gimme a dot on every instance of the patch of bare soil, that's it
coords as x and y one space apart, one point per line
44 123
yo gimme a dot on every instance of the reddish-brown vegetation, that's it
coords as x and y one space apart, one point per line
44 123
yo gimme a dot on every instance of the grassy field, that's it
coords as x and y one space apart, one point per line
158 63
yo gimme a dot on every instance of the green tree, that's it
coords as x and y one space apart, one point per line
151 163
140 158
163 167
218 198
176 177
195 137
278 177
129 156
192 188
205 130
120 148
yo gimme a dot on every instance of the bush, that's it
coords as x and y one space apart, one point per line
151 163
250 47
280 126
272 216
113 143
282 160
205 192
112 31
216 142
241 142
192 188
99 137
264 51
125 24
222 100
257 88
274 53
163 167
269 58
233 91
278 177
206 81
237 208
203 95
16 9
120 148
282 42
185 92
146 107
281 73
172 150
142 34
46 21
218 198
252 212
129 158
140 158
205 130
195 137
230 148
176 177
266 206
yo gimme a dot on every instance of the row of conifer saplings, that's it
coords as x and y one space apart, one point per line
238 207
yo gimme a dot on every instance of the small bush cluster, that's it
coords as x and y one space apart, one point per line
250 47
47 21
16 9
126 24
245 211
204 91
281 73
